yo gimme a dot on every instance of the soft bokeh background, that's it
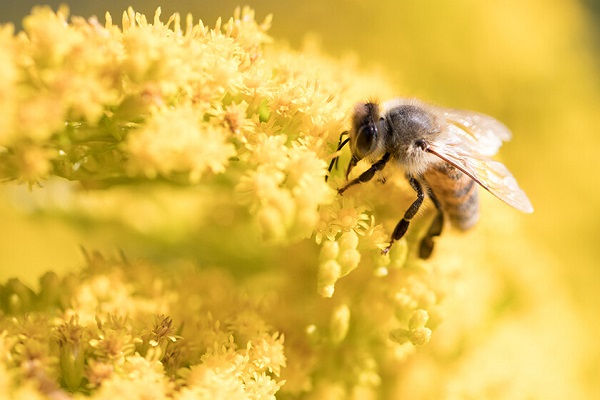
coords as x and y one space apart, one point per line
533 64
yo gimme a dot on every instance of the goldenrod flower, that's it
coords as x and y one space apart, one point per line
176 141
204 151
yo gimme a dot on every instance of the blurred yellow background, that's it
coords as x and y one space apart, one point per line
534 65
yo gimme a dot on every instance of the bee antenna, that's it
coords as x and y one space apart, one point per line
334 161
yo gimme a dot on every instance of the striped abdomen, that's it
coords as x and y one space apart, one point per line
456 192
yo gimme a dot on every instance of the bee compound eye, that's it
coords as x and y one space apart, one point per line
365 139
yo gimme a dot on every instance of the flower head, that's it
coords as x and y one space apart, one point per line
201 153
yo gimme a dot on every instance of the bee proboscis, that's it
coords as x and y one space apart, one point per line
444 153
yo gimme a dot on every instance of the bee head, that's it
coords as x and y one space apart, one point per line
364 133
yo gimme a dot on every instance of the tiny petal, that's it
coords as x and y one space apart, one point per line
329 250
419 336
418 320
340 323
349 260
329 273
349 240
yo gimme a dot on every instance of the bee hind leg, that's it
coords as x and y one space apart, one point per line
402 225
435 229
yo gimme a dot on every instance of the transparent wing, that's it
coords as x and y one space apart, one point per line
481 133
490 174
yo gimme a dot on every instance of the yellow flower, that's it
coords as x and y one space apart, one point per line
136 378
9 75
30 163
177 141
204 151
343 215
235 117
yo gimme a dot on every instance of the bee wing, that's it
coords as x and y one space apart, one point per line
490 174
481 133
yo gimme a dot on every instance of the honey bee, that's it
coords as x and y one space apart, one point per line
443 152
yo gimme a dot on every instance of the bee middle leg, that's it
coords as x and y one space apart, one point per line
368 174
402 225
435 229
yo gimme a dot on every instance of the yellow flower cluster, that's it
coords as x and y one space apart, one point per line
285 188
110 337
100 105
210 140
176 141
202 150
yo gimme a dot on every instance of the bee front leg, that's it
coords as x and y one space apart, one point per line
334 161
402 226
435 229
353 161
368 174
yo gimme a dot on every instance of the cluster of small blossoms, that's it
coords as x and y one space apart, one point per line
101 104
284 189
187 128
129 349
338 258
417 333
